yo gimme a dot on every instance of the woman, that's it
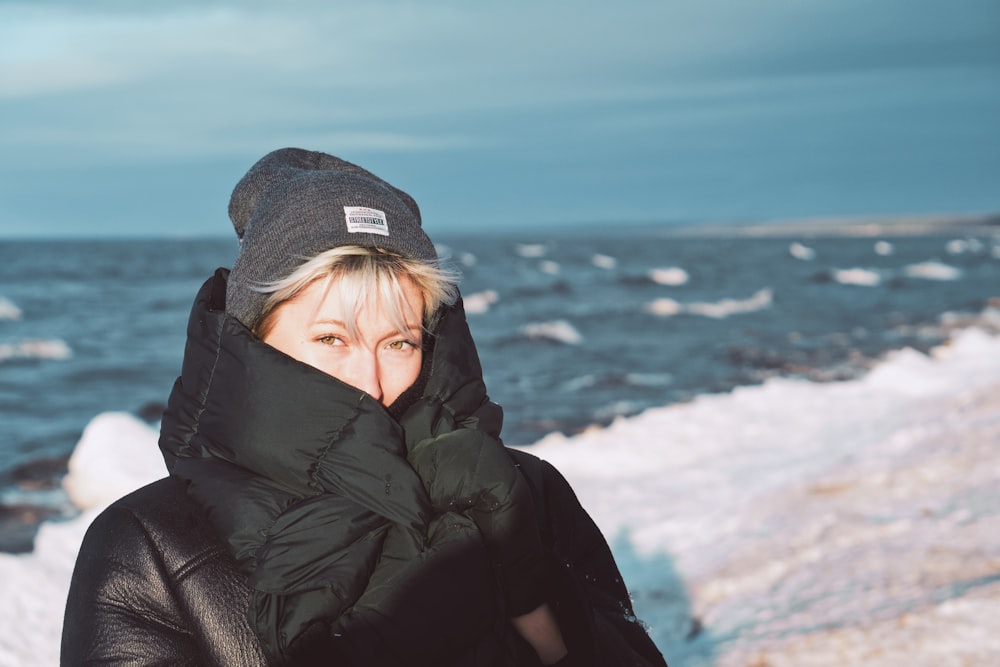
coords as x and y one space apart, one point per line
338 491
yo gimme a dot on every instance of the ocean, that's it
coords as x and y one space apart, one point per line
580 333
572 330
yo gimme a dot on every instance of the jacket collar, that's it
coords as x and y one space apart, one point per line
244 402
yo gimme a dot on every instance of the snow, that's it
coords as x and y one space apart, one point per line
787 520
112 437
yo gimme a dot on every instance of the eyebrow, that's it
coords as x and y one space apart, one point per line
329 321
415 329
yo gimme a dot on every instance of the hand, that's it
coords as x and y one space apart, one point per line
540 629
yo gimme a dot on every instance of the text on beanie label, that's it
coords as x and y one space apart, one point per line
364 219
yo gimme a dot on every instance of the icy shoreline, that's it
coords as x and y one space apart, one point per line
812 524
790 523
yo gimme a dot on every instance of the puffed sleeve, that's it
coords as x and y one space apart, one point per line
468 471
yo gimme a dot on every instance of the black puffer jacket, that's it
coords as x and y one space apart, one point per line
306 526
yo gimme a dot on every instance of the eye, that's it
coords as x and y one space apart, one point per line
330 340
401 345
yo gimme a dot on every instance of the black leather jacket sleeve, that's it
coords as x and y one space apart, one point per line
152 587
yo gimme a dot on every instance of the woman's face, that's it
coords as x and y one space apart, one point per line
381 361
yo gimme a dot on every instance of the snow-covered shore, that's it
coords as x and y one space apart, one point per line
809 524
792 523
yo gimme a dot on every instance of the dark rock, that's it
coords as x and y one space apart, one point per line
151 412
40 474
19 525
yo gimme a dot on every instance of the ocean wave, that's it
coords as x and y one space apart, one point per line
962 246
478 303
548 266
9 310
53 349
616 410
950 323
649 379
604 261
884 248
932 270
531 250
803 252
580 383
856 276
446 252
591 380
559 331
666 307
671 276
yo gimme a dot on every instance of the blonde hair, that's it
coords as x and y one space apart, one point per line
361 276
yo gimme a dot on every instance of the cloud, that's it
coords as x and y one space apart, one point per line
680 96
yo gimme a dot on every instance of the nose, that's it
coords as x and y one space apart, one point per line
364 374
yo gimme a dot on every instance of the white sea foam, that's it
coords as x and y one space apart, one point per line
604 261
675 489
799 251
649 379
759 301
548 266
531 250
857 276
53 349
666 307
579 383
559 331
932 270
9 310
961 246
884 248
617 409
670 275
467 258
478 303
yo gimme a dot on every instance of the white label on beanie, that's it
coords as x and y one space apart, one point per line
368 220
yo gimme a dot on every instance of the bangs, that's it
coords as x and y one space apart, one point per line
362 277
373 286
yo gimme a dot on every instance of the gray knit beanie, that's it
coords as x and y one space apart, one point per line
294 204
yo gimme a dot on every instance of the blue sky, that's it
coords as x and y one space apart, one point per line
124 118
